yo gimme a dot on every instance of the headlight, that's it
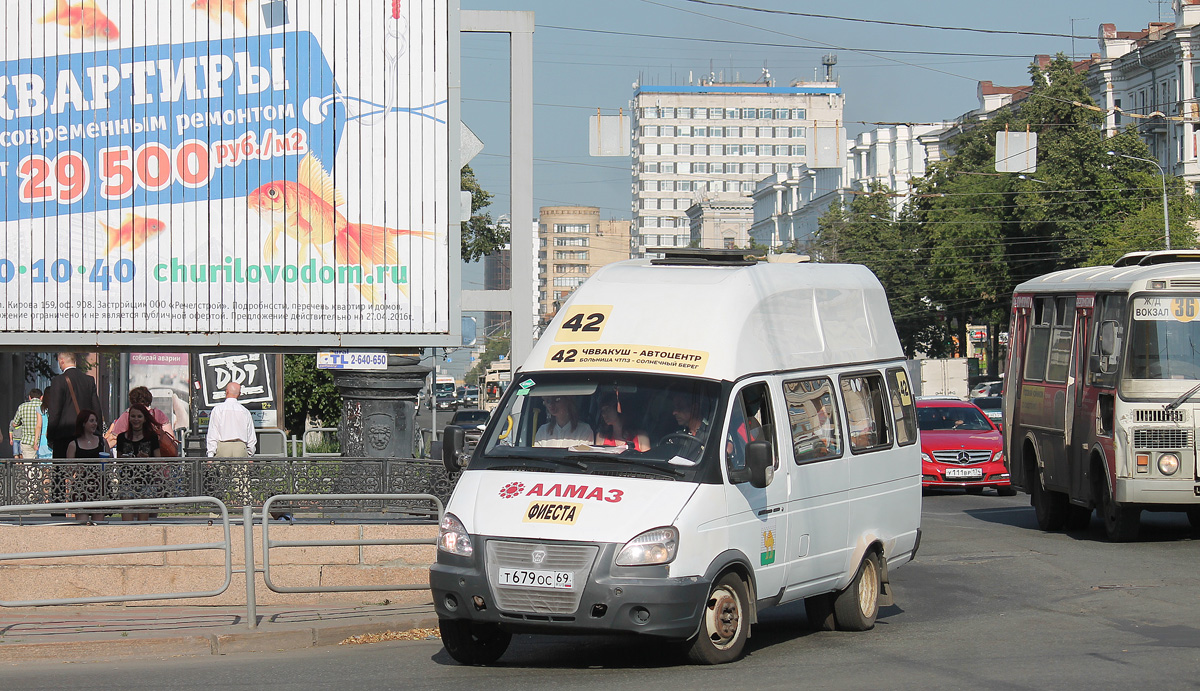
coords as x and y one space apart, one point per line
1168 464
927 458
453 538
998 457
656 546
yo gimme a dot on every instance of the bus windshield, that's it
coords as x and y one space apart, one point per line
603 422
1164 342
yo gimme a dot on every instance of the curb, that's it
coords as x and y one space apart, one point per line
210 644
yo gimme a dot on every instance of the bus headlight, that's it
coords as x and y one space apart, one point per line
453 537
655 546
1168 464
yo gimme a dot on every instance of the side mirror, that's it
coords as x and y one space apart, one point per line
454 439
1108 338
760 462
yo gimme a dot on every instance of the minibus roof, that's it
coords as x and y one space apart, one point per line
720 321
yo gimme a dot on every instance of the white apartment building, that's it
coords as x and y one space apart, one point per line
723 138
891 156
788 205
721 221
1153 73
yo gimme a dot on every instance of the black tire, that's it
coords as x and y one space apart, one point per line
1006 491
1121 522
1050 507
1194 518
819 610
1078 518
471 643
975 490
856 607
724 625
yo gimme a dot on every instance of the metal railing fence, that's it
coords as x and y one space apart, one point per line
237 482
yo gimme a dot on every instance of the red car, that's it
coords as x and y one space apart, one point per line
961 447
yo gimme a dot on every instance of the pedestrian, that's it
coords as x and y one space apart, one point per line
69 394
142 396
141 439
231 431
25 430
86 444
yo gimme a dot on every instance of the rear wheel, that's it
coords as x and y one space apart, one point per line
1050 507
471 643
725 625
857 606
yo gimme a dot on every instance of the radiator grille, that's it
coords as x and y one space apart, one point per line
1160 415
559 557
1162 438
973 457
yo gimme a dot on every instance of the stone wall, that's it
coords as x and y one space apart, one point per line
173 572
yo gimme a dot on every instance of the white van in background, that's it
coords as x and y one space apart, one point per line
692 440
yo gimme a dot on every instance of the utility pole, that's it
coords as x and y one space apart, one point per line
1073 20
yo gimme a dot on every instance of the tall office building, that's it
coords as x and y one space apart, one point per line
697 141
572 244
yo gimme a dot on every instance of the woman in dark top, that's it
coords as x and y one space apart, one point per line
141 440
86 444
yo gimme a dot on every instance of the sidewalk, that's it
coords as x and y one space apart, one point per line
78 634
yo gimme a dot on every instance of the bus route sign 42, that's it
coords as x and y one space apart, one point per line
352 360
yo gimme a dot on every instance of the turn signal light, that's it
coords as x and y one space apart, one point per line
1143 462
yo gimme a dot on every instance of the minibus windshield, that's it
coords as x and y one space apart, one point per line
606 422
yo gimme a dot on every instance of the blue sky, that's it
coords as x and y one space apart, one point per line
577 72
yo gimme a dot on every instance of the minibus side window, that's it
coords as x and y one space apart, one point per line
813 416
903 410
869 428
750 419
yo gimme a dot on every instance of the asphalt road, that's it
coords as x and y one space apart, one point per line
991 602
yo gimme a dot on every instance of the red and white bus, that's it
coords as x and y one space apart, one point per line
1102 395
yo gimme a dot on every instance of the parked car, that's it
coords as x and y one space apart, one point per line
993 408
961 447
987 388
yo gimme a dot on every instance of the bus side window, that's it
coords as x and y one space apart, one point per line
1104 368
902 406
813 416
1061 339
1038 348
750 419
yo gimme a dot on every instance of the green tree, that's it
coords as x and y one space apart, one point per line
500 344
309 393
480 236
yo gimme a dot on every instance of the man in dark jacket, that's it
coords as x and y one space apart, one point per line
62 408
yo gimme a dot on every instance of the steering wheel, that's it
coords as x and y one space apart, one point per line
683 441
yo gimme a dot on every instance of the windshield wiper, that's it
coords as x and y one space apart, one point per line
513 452
613 458
1179 401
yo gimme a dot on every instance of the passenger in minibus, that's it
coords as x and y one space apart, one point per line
563 428
615 428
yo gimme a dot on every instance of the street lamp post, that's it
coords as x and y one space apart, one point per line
1163 172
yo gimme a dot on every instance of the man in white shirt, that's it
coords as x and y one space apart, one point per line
230 427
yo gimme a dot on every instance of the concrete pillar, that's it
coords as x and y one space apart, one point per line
379 408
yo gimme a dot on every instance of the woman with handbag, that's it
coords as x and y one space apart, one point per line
142 396
143 439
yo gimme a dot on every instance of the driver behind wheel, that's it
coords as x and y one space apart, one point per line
685 408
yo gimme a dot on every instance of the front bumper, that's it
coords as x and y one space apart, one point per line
992 475
614 599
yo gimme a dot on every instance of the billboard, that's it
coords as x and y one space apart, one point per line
224 168
257 374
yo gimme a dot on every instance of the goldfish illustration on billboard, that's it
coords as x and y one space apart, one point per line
84 20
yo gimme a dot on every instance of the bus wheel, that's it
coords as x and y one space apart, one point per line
1050 507
473 644
1121 523
1194 518
725 625
857 606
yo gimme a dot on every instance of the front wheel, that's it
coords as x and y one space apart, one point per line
1121 522
726 623
473 644
856 607
1006 492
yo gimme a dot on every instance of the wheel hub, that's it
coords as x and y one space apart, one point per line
724 616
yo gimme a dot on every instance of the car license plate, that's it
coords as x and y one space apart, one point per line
529 578
964 473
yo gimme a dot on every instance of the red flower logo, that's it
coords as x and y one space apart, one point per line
512 489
